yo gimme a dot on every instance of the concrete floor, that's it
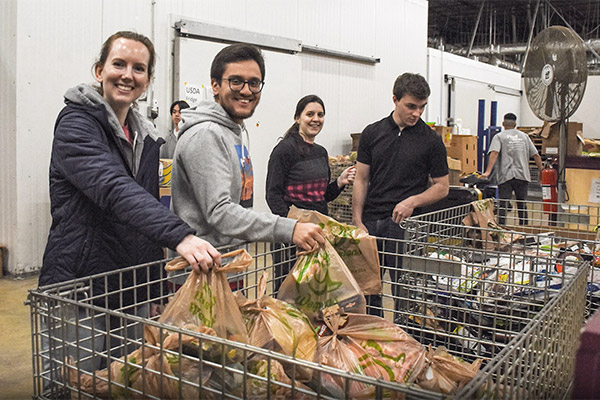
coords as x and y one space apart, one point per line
16 377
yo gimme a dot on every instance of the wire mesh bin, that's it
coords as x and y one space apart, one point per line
564 230
521 331
340 208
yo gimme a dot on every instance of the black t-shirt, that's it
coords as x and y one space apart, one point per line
399 165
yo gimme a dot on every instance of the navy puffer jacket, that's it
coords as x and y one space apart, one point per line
105 216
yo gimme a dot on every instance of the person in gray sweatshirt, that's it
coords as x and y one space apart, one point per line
212 182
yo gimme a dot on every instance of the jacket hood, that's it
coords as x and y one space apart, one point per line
140 127
87 95
207 111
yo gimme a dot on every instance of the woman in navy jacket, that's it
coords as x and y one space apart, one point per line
104 183
104 204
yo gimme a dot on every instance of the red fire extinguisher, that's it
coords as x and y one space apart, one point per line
549 188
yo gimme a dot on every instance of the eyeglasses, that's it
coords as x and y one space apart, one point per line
237 84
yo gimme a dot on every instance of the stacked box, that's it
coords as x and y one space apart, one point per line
464 148
551 137
445 132
454 170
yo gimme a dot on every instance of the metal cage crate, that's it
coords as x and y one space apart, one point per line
561 229
524 332
340 208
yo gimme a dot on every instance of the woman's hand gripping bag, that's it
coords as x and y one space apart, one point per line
320 279
367 345
206 300
279 326
356 247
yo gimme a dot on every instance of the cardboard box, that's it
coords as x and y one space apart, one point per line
164 172
454 171
454 164
551 135
445 132
464 148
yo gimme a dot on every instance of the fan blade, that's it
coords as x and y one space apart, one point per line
555 73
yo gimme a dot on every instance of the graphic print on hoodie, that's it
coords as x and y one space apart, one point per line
247 176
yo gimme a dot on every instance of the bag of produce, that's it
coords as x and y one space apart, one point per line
445 373
206 300
279 326
258 388
356 247
149 370
366 345
320 279
493 236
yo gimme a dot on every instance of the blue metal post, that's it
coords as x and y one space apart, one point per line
493 113
480 134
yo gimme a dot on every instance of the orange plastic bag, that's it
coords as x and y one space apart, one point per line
206 299
258 388
320 279
356 247
149 370
493 236
367 345
279 326
445 373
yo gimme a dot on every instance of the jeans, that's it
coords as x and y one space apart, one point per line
505 191
389 258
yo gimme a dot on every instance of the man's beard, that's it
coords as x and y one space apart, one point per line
236 116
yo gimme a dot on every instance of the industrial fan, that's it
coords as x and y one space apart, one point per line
555 77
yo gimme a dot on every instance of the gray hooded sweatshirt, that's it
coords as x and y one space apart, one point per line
212 181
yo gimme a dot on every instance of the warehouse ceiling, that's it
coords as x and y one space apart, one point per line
497 31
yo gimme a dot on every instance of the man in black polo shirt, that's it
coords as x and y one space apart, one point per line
396 157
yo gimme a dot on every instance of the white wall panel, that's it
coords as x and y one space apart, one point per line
57 42
437 106
356 33
474 80
319 22
54 53
401 29
274 17
321 76
355 94
8 124
222 12
132 15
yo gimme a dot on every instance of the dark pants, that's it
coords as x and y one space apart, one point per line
505 191
284 258
390 258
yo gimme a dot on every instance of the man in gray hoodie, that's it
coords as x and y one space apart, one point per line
212 182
